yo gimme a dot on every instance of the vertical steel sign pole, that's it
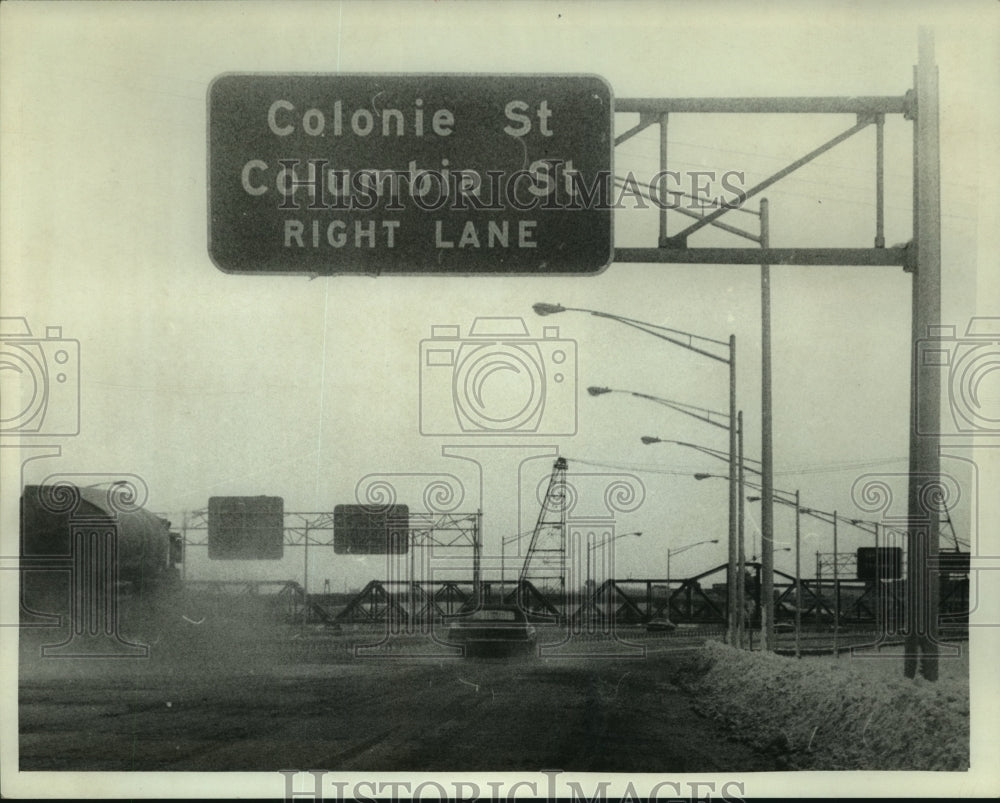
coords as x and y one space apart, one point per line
503 571
836 590
733 501
878 590
798 576
663 181
305 577
184 546
766 455
477 558
740 545
925 402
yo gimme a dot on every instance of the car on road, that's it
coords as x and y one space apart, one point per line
660 625
493 630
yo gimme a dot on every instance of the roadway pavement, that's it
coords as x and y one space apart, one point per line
271 705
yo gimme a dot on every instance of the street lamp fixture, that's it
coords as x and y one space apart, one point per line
742 461
604 543
704 346
754 557
713 417
794 501
743 464
685 548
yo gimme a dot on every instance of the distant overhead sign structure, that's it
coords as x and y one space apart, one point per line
438 174
370 529
246 527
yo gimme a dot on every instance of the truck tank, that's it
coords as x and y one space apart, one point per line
49 513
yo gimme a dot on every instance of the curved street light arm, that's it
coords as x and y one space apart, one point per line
693 410
649 328
827 517
716 453
597 544
658 331
686 547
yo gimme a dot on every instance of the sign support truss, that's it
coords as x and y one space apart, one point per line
674 248
921 258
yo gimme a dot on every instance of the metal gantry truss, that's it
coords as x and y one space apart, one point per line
314 529
445 529
838 564
433 531
428 531
673 248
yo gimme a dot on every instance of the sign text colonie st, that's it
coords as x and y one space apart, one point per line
411 174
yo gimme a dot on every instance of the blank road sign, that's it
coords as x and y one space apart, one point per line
246 527
882 563
370 529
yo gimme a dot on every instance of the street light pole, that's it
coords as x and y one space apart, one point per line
879 621
740 551
592 547
713 417
687 340
766 453
798 575
719 454
678 551
739 587
836 590
734 494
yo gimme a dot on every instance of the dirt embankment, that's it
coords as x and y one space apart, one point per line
849 713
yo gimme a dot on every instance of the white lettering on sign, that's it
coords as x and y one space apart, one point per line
497 235
253 189
326 174
338 233
513 111
282 115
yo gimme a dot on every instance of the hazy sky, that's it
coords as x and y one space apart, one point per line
208 384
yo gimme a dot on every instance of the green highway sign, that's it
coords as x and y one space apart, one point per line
410 174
